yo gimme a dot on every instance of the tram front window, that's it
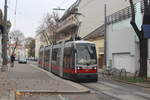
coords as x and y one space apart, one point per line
86 54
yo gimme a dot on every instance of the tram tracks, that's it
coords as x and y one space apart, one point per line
100 93
118 91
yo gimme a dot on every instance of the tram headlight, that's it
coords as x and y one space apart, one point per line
94 67
79 68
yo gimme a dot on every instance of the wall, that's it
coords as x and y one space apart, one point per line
93 13
99 44
122 39
37 45
92 16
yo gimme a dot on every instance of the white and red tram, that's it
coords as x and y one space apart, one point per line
73 60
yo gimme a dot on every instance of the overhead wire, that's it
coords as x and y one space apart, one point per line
60 12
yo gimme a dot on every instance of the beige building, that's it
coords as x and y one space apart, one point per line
97 36
69 24
38 44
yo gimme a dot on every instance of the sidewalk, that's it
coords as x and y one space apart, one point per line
31 79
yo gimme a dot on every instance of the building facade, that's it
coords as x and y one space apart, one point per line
97 36
122 47
122 41
68 24
38 44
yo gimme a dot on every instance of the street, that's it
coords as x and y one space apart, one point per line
75 50
28 82
112 90
104 89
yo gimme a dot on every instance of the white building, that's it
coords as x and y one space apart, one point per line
93 13
122 42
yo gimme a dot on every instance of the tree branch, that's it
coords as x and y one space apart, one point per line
132 22
138 32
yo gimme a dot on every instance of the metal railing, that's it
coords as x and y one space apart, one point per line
123 14
71 20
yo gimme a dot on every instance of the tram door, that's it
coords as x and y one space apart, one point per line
50 58
43 56
61 59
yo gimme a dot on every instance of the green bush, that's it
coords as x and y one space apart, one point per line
131 79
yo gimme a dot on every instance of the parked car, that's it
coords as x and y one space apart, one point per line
22 60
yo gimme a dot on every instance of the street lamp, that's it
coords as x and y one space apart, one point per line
4 41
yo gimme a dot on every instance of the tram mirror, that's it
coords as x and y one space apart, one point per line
74 50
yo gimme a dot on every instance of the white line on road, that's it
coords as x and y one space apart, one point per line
143 94
62 98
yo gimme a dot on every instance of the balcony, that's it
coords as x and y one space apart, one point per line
68 23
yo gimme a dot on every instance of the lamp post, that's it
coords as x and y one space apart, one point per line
4 41
105 37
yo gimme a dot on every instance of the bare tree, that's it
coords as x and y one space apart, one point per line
48 28
42 33
142 40
16 37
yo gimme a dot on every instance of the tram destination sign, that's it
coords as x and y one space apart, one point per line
146 29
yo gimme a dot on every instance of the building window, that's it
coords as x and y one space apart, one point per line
101 49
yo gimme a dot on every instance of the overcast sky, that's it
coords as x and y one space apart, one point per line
29 13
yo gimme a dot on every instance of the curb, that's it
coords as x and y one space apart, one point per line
81 89
132 83
47 92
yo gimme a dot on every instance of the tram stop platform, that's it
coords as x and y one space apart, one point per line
28 79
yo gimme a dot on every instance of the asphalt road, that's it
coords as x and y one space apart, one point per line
106 89
112 90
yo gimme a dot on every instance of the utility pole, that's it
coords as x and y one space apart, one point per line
4 41
105 37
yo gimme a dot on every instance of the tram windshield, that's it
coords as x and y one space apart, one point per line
86 54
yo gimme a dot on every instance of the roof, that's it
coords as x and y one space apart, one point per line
96 33
70 10
80 41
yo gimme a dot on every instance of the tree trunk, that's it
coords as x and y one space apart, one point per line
143 57
14 47
143 41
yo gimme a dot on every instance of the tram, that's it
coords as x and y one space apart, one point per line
73 60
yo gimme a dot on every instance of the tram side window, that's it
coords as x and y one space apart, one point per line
47 55
54 54
40 55
68 57
58 56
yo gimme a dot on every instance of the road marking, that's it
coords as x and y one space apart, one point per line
143 94
63 98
